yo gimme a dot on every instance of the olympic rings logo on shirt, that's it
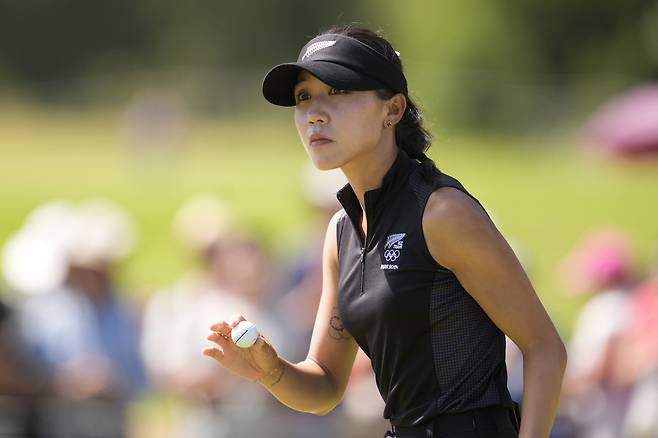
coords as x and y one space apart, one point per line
391 255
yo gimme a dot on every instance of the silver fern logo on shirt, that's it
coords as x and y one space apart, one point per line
392 248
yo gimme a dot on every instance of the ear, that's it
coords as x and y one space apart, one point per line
395 107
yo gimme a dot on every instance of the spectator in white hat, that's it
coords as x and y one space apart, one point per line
80 330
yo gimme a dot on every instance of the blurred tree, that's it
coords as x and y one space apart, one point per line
589 36
513 64
497 64
53 40
240 34
43 40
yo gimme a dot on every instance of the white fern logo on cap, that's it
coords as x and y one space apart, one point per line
317 46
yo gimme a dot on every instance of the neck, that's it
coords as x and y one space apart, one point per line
367 172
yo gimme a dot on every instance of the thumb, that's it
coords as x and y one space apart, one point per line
261 343
264 352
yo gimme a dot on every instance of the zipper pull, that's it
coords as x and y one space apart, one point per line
363 269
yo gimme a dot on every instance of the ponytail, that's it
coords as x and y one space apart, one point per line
411 136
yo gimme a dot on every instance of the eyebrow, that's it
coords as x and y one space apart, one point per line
304 78
299 85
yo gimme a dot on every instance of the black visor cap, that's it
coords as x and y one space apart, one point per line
339 61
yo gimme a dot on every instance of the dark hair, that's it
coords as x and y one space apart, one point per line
410 135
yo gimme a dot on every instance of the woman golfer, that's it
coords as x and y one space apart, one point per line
414 271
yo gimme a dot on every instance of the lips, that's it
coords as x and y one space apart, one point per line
319 139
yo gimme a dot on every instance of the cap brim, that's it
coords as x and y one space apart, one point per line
279 83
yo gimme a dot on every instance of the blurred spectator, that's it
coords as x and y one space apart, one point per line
35 257
638 361
80 332
600 265
363 405
154 123
234 272
20 381
626 125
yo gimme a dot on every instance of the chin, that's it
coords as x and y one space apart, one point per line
325 166
325 163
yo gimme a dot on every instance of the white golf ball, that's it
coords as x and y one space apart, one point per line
244 334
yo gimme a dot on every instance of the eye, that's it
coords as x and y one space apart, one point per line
334 90
301 96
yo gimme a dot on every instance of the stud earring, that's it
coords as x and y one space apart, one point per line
387 123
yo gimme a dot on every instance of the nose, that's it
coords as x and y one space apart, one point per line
317 115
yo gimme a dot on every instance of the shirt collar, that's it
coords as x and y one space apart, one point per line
375 199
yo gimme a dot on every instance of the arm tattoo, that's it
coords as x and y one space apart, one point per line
265 380
336 329
278 379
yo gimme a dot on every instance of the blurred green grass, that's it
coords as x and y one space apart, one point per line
542 192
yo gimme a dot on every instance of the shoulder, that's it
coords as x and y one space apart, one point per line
340 214
334 222
455 225
451 207
332 236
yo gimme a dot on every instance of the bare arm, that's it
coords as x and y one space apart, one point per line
317 384
463 239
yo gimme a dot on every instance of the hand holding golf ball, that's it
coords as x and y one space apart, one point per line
244 335
243 351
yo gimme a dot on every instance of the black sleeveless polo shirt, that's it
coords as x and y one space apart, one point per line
432 347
